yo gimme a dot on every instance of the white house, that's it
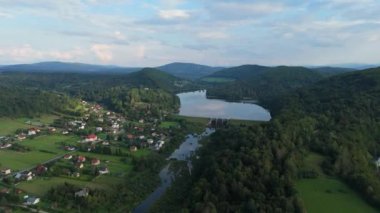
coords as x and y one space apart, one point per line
32 201
6 171
103 171
82 193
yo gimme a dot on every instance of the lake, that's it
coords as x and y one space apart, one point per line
196 104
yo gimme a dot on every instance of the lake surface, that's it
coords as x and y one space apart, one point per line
196 104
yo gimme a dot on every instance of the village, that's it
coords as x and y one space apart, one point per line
100 143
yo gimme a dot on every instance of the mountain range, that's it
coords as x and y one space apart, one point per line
190 71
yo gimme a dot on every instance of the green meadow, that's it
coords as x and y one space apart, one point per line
8 126
328 194
43 148
169 124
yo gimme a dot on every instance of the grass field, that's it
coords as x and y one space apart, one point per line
20 160
168 124
50 143
40 186
10 125
217 80
331 195
327 194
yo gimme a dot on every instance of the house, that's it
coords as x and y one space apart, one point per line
4 146
91 138
27 175
150 141
52 129
130 136
6 171
69 148
32 131
142 137
68 157
21 137
133 148
106 143
99 129
115 126
76 174
95 162
82 193
40 169
141 121
79 165
32 201
65 132
377 162
5 191
103 171
81 159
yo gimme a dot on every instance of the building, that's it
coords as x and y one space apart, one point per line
6 171
103 171
32 131
91 138
32 201
95 162
133 148
82 193
68 157
81 159
99 129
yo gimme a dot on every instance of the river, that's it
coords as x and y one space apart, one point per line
196 104
183 153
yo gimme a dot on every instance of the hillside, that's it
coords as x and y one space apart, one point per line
154 78
188 70
258 82
330 71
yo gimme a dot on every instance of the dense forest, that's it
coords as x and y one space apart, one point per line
15 101
34 93
261 83
254 169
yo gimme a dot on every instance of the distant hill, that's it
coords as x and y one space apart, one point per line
259 82
188 70
64 67
154 78
329 71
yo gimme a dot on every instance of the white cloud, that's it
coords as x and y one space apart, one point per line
28 53
213 35
103 52
173 14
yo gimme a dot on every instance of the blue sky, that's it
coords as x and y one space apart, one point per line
213 32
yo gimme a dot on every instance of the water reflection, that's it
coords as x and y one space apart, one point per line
197 105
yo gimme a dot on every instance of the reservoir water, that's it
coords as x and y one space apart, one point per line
196 104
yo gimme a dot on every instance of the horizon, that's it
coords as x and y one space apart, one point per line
357 66
131 33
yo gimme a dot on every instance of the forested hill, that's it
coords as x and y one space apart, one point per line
77 82
188 70
16 102
154 78
256 168
258 82
108 89
340 118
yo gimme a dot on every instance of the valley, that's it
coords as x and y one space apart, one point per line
99 136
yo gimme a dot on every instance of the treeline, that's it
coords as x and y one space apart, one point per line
260 83
16 101
253 169
149 91
342 115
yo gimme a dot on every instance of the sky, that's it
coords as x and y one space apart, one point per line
212 32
